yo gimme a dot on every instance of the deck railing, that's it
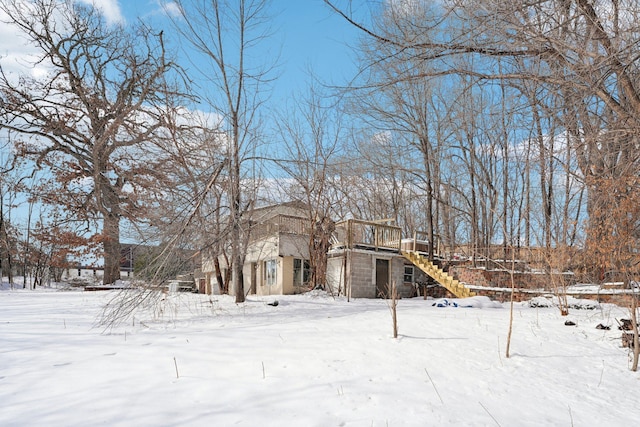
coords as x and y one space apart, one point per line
354 233
420 243
280 224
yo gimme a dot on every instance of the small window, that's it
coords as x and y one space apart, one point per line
270 271
408 274
300 272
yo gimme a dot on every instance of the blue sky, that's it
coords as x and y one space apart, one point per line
306 32
313 36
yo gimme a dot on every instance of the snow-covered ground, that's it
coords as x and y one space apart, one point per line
310 361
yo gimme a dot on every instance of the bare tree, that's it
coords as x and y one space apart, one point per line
392 302
187 213
224 34
572 69
8 190
92 119
446 131
312 134
633 308
408 136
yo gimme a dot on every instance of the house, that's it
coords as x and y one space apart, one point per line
363 258
277 252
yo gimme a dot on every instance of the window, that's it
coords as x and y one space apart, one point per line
300 272
270 271
408 274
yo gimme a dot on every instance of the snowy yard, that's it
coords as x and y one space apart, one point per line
310 361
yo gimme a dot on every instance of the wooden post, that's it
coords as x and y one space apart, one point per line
415 239
376 229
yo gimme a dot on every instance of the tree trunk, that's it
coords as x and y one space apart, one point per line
227 274
636 341
108 201
322 231
112 255
222 284
425 148
5 245
237 255
475 234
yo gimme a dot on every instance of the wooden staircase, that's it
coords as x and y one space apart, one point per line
452 285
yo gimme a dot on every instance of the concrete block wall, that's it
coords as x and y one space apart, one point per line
405 290
361 273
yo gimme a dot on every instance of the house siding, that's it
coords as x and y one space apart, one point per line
286 278
293 245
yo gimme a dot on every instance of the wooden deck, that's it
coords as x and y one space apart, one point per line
359 234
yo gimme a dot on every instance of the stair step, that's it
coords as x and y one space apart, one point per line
442 277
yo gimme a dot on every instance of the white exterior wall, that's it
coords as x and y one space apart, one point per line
262 250
294 245
336 273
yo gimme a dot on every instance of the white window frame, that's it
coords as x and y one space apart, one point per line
303 271
411 276
271 272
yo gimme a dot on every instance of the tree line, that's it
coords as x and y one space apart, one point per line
524 115
481 123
